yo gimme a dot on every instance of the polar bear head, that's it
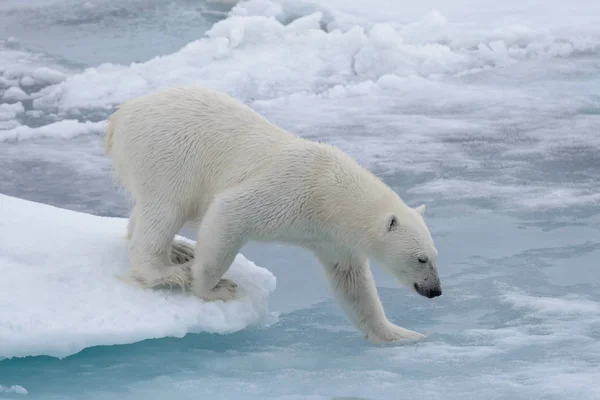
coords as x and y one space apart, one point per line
407 251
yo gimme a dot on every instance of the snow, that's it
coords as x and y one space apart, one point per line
257 48
14 94
10 111
46 76
64 129
18 63
59 293
27 81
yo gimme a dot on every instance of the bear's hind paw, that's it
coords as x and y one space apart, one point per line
224 290
181 252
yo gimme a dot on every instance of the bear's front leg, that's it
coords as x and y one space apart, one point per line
220 238
351 281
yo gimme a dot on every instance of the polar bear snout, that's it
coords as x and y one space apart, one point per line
429 292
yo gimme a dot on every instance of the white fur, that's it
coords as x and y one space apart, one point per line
194 154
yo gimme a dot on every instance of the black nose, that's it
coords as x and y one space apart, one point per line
427 292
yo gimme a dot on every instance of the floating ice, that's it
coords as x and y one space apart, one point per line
9 111
59 293
45 76
16 389
531 197
439 89
254 52
14 94
27 81
64 129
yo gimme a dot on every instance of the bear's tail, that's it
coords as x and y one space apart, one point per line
111 124
110 131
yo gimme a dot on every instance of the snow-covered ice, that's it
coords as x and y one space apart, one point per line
59 293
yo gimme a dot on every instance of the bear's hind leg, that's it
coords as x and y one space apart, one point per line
130 224
150 256
181 252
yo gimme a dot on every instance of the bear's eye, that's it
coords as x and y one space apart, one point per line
423 260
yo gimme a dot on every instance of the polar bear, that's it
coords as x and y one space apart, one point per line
195 154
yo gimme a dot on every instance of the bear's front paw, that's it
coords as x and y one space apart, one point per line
393 333
224 290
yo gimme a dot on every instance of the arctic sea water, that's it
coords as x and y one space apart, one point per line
488 112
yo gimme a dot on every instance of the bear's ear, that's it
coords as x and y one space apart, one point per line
420 209
391 222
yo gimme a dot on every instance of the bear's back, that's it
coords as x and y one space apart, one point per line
201 131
